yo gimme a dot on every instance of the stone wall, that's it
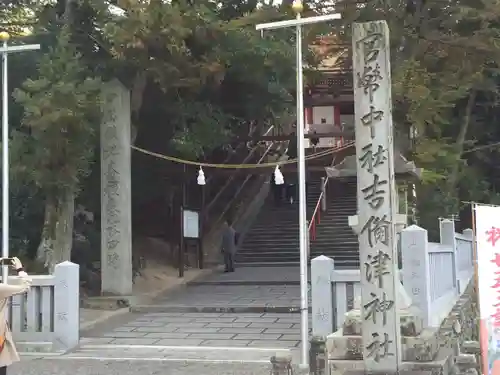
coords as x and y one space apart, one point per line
452 349
460 333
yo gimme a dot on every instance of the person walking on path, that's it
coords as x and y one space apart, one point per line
8 352
228 246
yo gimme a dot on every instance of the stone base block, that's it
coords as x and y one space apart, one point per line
281 364
342 347
404 372
421 348
35 347
464 363
411 325
471 347
443 364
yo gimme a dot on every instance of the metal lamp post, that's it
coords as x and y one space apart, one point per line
5 50
298 7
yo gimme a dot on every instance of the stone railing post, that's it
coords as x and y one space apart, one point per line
67 305
447 236
469 233
321 295
416 276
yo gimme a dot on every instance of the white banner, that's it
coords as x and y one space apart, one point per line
488 258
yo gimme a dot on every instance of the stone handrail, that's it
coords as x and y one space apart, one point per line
46 318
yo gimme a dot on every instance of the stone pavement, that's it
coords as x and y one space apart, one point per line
208 318
222 330
226 324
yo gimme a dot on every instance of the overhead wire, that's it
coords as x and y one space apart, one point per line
241 166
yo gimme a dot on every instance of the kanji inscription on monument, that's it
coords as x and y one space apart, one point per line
116 236
377 198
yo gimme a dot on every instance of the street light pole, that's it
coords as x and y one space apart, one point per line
5 162
5 50
303 227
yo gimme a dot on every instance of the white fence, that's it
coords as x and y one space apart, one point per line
433 275
49 311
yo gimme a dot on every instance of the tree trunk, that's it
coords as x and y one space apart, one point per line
461 138
57 236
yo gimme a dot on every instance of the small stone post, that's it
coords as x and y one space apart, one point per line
469 233
67 305
416 278
321 295
447 235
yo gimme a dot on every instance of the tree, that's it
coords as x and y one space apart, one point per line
444 58
199 75
61 113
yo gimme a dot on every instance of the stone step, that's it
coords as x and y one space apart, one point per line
178 353
284 254
26 347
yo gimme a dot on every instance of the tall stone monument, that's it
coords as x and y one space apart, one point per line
116 223
377 197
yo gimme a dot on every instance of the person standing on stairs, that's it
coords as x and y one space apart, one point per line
228 246
277 191
290 189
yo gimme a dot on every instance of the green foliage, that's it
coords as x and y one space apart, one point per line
216 73
445 91
61 114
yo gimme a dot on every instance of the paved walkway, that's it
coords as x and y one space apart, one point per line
268 330
225 317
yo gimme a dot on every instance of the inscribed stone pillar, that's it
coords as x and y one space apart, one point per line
321 295
116 231
416 278
377 197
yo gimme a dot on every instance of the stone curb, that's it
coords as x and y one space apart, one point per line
216 309
243 283
35 355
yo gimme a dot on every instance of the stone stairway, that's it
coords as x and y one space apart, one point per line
334 236
273 239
